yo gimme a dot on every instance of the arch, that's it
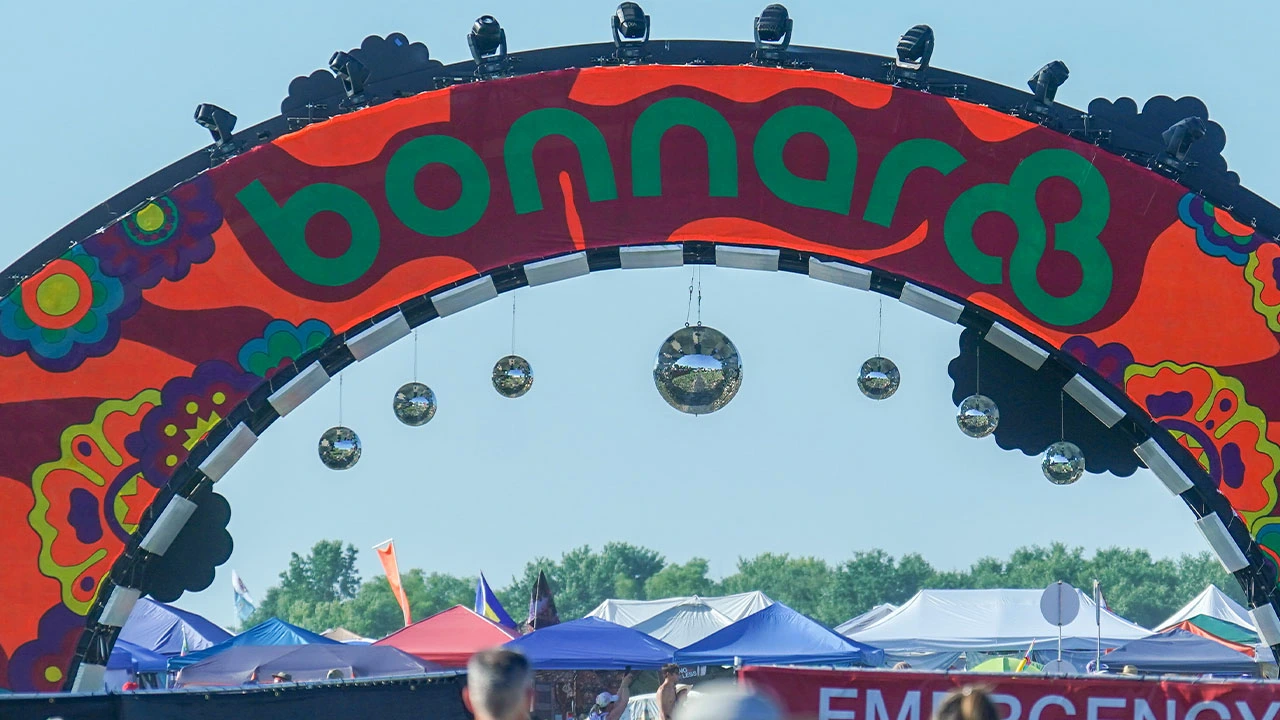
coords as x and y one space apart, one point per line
146 358
646 146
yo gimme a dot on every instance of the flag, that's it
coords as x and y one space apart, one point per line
542 607
1026 659
387 555
244 601
487 605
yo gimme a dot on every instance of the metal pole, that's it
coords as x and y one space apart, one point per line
1097 614
1059 621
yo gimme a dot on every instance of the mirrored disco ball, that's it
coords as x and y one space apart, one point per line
414 404
339 448
978 416
512 376
1063 463
698 370
879 378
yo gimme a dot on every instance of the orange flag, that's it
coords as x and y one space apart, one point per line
387 555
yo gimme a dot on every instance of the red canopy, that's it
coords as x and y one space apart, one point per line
448 638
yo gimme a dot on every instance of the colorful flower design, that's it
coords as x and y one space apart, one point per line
65 313
1109 361
1217 232
280 344
39 665
163 238
1208 414
189 409
1263 273
89 500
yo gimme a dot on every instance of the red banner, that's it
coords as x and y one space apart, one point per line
890 695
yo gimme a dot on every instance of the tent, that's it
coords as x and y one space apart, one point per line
953 621
1178 651
344 635
778 635
305 663
448 638
1214 603
592 644
270 633
165 629
681 621
127 656
1005 665
866 619
645 707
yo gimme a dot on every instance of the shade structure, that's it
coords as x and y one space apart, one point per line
448 638
1178 651
778 635
127 656
592 644
273 632
684 620
866 619
1005 665
344 635
166 629
1213 603
303 663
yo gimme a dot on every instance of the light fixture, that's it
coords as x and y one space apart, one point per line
353 74
1179 139
630 31
218 122
773 33
488 43
1045 83
915 49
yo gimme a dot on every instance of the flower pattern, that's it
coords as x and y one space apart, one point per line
1217 232
280 344
1263 274
1109 361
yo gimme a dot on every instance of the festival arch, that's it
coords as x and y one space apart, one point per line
146 347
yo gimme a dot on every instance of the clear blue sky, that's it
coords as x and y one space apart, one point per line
100 95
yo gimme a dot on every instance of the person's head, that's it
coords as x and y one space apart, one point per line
281 677
334 674
902 666
670 672
129 685
605 700
499 685
1129 670
726 700
970 703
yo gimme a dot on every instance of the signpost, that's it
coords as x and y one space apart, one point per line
1060 604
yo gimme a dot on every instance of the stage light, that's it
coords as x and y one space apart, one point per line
915 48
1045 83
1224 546
217 121
119 604
630 31
773 33
1179 139
351 72
488 43
172 519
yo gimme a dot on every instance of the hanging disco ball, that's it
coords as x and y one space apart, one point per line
879 378
414 404
698 370
978 416
339 448
1063 463
512 376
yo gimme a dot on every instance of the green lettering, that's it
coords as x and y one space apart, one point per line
835 192
646 146
904 159
402 172
532 127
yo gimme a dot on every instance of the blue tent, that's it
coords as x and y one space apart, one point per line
592 644
166 629
1178 651
778 635
271 632
127 656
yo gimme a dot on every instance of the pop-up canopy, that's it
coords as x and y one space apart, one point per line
303 663
681 621
1178 651
168 630
448 638
1215 604
778 635
592 644
270 633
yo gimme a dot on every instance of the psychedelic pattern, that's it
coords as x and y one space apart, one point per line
123 353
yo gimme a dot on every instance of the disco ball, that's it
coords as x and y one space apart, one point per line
414 404
339 448
978 416
512 376
1063 463
879 378
698 370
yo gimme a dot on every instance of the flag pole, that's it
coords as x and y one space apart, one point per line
1097 615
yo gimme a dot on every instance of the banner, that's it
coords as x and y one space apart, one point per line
243 600
894 695
487 605
542 606
387 556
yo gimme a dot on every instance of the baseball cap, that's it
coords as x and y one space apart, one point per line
605 698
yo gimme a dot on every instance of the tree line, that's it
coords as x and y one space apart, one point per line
323 590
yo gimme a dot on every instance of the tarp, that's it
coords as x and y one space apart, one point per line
163 629
272 632
778 635
304 663
127 656
681 621
592 644
1214 603
1178 651
344 635
866 619
448 638
989 620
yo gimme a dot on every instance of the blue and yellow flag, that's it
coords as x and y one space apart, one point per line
487 605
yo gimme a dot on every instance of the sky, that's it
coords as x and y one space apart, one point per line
592 453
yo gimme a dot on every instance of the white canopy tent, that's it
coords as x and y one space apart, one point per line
866 619
681 621
1214 603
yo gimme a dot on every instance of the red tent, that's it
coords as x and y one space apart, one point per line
448 638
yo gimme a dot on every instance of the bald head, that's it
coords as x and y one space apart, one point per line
499 685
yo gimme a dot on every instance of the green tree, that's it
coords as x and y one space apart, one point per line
677 580
871 578
803 583
374 611
312 589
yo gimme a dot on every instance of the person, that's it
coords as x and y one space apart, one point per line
667 691
281 677
902 665
727 700
499 685
610 706
969 703
129 686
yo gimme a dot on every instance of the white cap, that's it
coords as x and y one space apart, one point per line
604 698
730 701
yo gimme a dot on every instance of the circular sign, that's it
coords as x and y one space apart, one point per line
1059 667
1060 604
